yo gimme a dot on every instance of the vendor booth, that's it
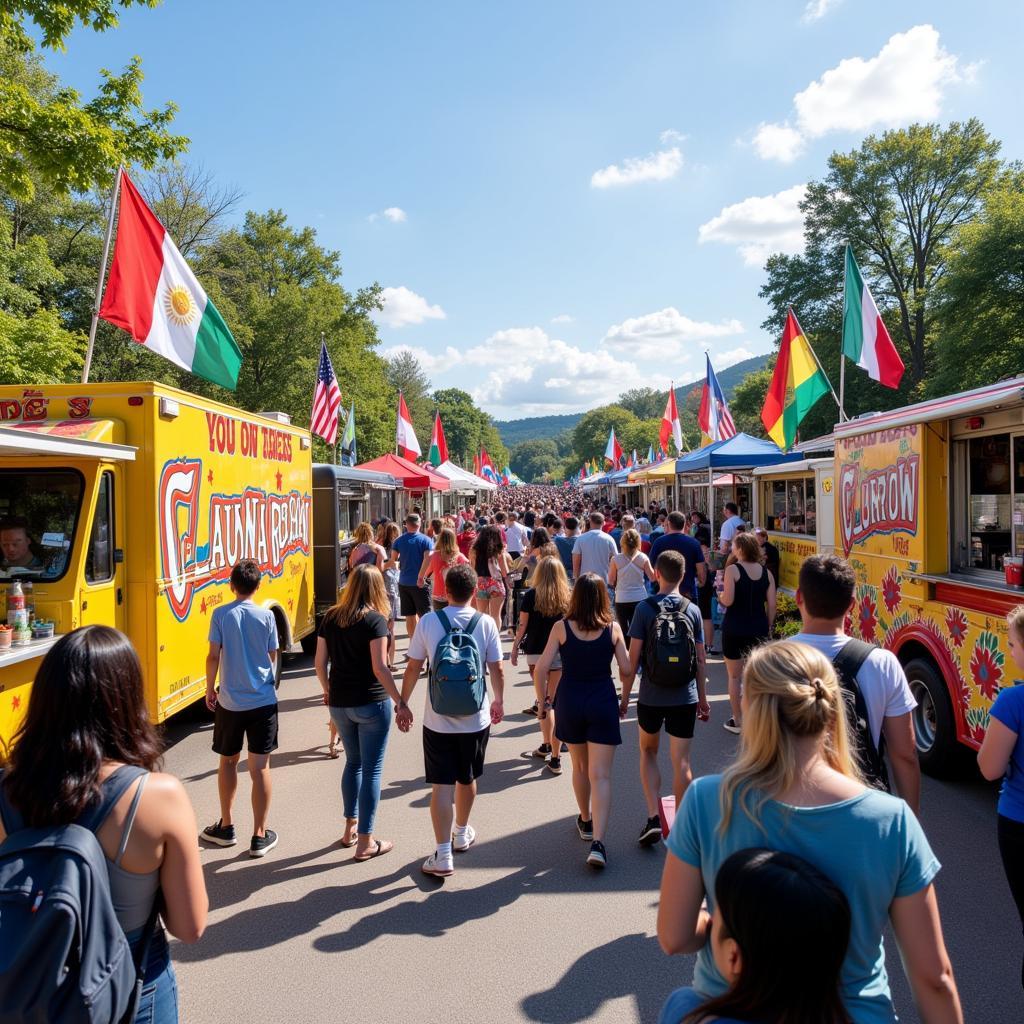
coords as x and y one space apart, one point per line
656 483
465 486
418 485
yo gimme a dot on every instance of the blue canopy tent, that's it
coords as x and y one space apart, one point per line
741 452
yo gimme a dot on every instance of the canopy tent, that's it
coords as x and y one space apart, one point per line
463 480
665 469
409 476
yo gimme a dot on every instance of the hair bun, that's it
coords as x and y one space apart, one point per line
819 688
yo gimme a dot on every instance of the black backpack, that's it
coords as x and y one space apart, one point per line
670 648
847 664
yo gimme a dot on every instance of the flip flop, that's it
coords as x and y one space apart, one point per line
380 851
347 846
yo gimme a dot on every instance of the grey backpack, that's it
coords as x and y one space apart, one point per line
64 958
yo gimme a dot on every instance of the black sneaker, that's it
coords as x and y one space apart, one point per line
542 753
585 828
597 857
731 726
531 710
554 765
262 845
650 833
222 835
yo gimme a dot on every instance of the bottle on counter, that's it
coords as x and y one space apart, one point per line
17 614
30 600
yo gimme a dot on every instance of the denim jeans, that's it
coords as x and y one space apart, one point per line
364 735
159 1001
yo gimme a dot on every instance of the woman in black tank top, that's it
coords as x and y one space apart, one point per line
749 601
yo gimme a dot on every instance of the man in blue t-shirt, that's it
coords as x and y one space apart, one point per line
243 650
408 551
689 547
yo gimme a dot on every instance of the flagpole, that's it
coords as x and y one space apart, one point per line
102 277
822 368
842 357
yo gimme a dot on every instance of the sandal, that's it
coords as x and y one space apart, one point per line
383 846
332 750
352 842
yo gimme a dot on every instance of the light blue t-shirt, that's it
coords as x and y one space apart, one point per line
684 1001
1009 709
871 846
411 547
246 634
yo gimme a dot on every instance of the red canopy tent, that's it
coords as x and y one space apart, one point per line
411 476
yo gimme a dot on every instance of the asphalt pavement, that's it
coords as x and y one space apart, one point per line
524 930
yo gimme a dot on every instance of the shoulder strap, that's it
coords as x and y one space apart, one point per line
113 788
654 604
473 622
130 820
444 620
850 659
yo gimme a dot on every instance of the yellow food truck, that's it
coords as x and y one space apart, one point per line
127 505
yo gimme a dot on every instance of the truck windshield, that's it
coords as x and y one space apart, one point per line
39 510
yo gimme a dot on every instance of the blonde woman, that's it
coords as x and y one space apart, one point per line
796 788
365 551
387 534
748 596
627 576
544 604
351 665
436 563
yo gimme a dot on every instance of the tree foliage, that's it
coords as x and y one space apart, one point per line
535 460
467 428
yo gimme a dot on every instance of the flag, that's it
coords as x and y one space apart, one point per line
323 420
634 459
797 384
613 451
405 437
438 445
348 439
153 295
487 467
670 427
650 454
865 338
476 465
715 422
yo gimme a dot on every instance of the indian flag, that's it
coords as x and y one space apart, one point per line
797 384
153 295
865 338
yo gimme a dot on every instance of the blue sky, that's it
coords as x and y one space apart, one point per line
563 199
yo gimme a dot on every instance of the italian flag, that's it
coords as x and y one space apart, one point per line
438 445
865 338
153 295
405 437
797 384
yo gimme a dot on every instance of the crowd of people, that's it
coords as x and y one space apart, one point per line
781 873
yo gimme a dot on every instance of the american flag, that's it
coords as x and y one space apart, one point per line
326 399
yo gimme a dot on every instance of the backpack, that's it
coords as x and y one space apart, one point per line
457 670
847 664
670 649
64 958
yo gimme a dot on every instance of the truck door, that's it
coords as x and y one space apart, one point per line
102 593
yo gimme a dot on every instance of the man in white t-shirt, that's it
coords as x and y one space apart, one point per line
517 537
593 550
453 747
733 524
826 593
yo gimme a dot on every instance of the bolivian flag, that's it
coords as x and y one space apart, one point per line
797 384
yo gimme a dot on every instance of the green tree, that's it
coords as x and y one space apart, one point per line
534 460
47 132
590 435
980 301
644 403
748 401
405 374
467 427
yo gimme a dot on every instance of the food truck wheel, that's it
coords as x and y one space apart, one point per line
309 644
934 724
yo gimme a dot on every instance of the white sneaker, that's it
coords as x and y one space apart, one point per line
438 866
461 843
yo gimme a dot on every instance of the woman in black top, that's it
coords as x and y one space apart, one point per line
748 596
358 689
544 604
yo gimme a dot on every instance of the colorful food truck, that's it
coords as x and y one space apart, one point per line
127 505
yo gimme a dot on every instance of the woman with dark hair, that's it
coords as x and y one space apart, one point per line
491 564
587 640
387 534
779 936
87 747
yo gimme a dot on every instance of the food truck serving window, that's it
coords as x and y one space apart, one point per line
790 506
39 511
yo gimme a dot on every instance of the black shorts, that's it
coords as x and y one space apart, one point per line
257 727
704 602
451 757
414 600
678 721
737 646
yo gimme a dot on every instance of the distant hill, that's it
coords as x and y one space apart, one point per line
533 427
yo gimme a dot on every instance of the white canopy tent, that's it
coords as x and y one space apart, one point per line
462 480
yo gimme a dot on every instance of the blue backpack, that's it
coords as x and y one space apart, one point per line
456 671
64 958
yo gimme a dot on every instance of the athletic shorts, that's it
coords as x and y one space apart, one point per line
488 587
678 721
587 713
556 665
451 757
257 727
415 600
737 646
704 603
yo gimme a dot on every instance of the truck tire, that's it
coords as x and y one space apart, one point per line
282 644
309 644
938 750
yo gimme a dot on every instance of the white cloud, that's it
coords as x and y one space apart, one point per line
562 318
760 225
403 307
671 136
660 166
905 82
731 356
817 9
666 335
394 214
778 142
